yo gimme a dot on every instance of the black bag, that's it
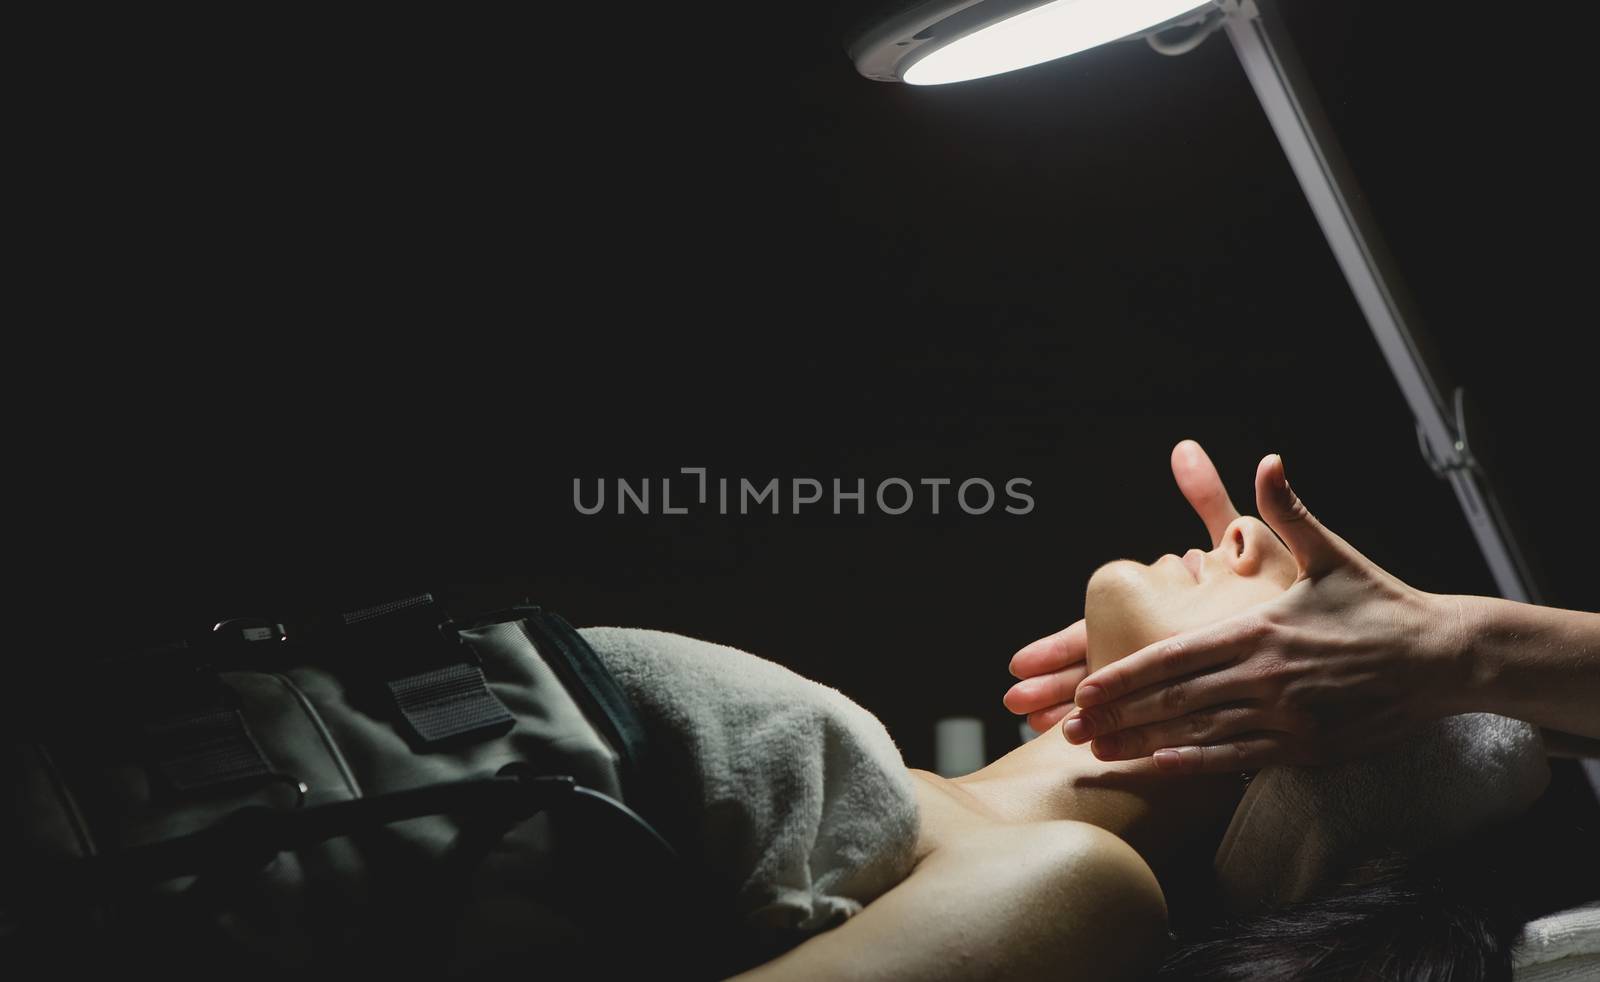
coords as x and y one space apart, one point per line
388 791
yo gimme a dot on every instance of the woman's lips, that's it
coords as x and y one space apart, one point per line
1191 560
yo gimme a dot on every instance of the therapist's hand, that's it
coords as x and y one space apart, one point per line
1051 667
1346 660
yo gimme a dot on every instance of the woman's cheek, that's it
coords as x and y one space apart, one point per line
1232 597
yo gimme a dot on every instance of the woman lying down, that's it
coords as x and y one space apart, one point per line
1048 863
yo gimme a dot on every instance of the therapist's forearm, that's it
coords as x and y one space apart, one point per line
1538 664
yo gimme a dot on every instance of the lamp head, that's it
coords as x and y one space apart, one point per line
939 41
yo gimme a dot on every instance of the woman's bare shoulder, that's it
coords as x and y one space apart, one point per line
1087 878
996 899
1092 872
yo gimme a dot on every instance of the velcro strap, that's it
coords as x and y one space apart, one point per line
420 602
447 704
204 750
434 680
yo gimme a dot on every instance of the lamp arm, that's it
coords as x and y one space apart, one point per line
1271 63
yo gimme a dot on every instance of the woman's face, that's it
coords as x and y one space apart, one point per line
1129 605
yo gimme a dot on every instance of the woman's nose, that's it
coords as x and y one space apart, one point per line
1241 545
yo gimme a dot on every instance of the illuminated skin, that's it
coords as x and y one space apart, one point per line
1050 857
1051 668
1129 605
1345 661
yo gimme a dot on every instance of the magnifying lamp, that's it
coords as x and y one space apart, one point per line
944 41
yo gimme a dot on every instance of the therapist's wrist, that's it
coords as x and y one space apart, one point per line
1464 670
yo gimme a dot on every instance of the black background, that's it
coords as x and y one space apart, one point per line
334 310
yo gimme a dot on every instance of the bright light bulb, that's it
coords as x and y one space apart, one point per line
1041 34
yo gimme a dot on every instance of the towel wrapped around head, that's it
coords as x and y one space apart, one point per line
796 798
1298 829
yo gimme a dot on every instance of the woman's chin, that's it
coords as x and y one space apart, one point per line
1117 615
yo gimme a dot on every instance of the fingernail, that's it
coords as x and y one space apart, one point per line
1078 729
1167 759
1089 695
1106 746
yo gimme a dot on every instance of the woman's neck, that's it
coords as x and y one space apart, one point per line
1161 815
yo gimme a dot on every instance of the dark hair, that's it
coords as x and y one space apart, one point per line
1453 914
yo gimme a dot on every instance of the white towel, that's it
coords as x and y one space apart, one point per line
1575 968
1299 828
802 803
1563 945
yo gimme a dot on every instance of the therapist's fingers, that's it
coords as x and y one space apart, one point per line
1315 549
1198 480
1044 719
1177 701
1046 691
1204 727
1068 646
1186 654
1245 753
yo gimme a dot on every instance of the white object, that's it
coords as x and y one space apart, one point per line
789 789
1577 968
1041 34
1563 945
958 746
